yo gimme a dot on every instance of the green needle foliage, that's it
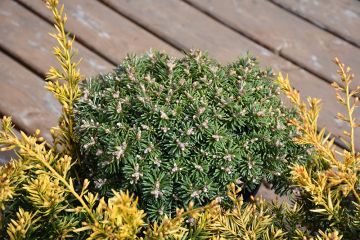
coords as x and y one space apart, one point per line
178 130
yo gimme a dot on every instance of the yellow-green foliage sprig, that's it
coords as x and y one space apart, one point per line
69 73
38 181
22 227
244 221
329 186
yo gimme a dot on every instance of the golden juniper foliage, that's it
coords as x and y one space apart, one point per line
39 199
250 221
330 184
67 93
19 229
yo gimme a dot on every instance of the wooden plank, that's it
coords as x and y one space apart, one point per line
284 33
183 27
24 98
104 30
265 192
186 27
25 36
339 17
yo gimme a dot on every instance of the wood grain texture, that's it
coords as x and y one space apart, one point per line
339 17
104 30
25 36
183 25
286 34
24 98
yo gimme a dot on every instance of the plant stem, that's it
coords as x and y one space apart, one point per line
71 189
351 120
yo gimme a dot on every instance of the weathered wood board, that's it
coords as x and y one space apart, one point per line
25 36
24 98
339 17
103 30
289 36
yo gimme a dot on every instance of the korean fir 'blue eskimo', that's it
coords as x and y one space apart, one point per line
179 130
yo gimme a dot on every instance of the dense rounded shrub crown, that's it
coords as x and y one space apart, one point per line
175 130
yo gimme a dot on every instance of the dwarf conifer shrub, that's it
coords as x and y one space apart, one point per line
174 130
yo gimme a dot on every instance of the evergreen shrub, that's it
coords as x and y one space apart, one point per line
178 130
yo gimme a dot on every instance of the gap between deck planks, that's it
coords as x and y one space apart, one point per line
341 18
176 21
291 37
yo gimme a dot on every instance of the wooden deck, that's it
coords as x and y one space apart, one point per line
296 37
